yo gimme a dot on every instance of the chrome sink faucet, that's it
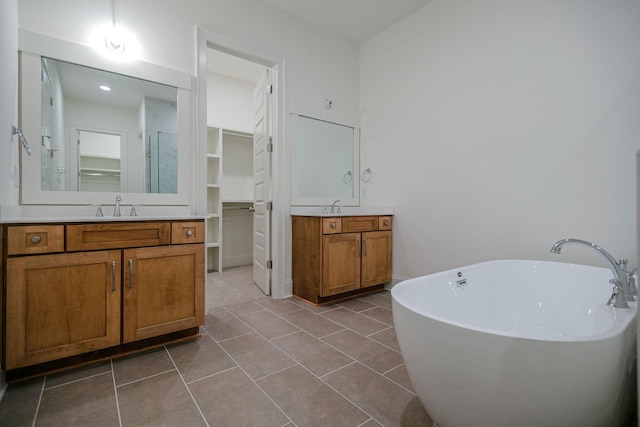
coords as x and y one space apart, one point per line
621 289
335 204
116 209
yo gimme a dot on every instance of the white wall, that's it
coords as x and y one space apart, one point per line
497 128
9 176
229 103
318 64
8 113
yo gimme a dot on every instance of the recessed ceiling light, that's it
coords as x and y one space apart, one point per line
105 88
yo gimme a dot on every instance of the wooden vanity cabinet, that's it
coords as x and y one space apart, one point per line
61 305
163 290
340 257
107 287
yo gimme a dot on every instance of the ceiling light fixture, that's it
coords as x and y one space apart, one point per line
105 88
115 40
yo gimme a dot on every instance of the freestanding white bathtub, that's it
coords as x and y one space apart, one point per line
517 343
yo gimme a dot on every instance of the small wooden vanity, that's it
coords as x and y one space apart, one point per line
340 257
81 292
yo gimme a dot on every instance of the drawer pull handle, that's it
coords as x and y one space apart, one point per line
130 285
189 233
35 239
333 225
385 222
113 276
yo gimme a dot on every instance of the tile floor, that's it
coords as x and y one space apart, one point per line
259 362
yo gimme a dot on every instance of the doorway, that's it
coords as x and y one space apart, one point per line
239 134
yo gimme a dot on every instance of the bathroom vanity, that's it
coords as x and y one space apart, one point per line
338 257
77 292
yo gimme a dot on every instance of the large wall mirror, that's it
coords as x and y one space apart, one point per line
99 128
325 162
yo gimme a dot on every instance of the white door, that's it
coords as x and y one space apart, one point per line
262 184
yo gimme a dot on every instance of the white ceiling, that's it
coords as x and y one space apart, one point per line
354 20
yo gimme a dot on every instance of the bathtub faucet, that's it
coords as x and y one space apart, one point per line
621 289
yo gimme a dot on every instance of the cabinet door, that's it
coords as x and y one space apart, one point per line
340 263
376 258
163 290
61 305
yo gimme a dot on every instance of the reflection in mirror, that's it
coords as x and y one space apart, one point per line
98 161
325 162
99 128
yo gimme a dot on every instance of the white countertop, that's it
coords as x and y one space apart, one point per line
39 220
344 211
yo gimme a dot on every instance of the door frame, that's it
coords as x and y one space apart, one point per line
237 46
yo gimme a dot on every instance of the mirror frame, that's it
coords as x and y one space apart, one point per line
32 47
297 200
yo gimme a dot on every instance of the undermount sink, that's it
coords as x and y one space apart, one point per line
344 211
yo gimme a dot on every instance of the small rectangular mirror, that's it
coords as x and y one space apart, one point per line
325 162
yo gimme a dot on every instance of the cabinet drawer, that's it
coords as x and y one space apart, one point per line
384 223
354 224
35 239
187 232
331 225
84 237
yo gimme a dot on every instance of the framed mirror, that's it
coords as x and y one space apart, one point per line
99 127
325 162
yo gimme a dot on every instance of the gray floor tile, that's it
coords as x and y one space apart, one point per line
387 337
380 314
200 358
87 402
401 376
355 304
352 320
278 306
373 354
387 402
382 299
314 308
20 401
232 399
312 353
312 323
374 423
77 373
138 366
268 324
256 355
244 308
162 400
223 325
310 402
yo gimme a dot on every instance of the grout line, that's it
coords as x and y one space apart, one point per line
115 391
77 380
186 386
146 378
254 381
231 338
212 375
35 415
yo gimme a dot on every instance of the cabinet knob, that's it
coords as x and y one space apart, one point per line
385 222
189 232
35 239
333 225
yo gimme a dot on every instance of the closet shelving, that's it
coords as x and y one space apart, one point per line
229 197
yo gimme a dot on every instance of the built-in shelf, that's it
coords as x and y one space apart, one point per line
229 182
